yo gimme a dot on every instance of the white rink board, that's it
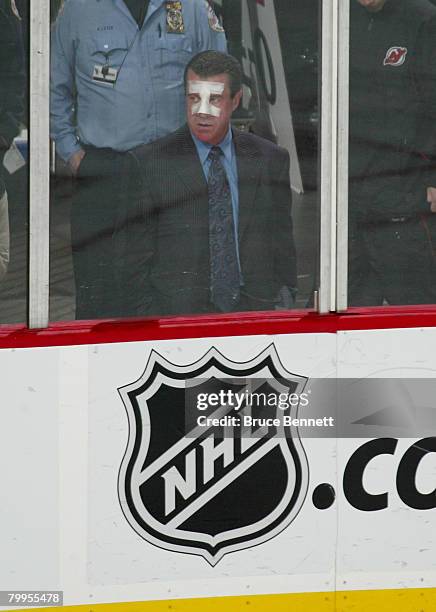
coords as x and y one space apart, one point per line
65 436
396 547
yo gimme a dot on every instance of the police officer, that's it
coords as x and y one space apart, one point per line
392 152
116 82
12 80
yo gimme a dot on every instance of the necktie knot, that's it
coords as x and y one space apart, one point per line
215 153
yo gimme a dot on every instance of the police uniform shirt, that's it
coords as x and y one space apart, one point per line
121 84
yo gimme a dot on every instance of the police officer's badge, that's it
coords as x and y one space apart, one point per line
175 24
214 22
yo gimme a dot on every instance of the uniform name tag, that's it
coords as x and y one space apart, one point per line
104 74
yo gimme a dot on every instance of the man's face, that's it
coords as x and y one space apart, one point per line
372 5
209 106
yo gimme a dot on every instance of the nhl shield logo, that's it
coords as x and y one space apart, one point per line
221 486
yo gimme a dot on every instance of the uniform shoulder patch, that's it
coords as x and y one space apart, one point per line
15 10
214 22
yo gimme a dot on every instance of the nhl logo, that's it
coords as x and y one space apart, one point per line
213 489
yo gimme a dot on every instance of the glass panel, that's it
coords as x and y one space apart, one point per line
173 228
392 225
14 169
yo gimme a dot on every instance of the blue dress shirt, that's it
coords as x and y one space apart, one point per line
147 99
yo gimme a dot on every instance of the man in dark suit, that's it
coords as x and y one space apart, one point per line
214 230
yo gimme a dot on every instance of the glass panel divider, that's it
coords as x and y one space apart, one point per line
342 155
39 164
329 124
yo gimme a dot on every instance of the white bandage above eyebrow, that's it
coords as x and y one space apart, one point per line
205 89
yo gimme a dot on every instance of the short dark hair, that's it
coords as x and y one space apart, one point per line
210 63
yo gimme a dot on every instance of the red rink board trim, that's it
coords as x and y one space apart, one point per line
244 324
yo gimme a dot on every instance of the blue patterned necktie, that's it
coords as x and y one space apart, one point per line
224 270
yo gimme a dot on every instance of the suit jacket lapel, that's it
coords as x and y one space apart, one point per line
249 170
192 199
188 167
187 163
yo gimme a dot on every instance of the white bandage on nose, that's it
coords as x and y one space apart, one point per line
205 89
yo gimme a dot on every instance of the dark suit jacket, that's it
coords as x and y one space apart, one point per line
168 232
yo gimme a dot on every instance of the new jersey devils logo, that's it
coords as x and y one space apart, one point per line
209 490
395 56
